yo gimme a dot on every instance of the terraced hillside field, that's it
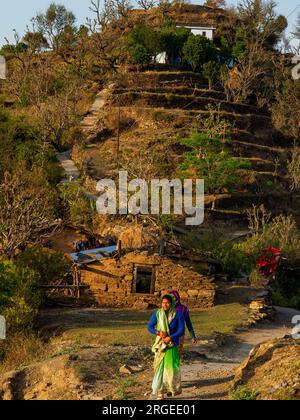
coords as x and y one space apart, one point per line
147 113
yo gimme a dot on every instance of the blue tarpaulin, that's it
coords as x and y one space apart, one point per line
91 255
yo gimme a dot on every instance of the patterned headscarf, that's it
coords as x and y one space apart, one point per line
178 305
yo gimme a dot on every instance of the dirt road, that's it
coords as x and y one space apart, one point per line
210 379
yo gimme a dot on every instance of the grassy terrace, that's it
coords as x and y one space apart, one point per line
65 331
124 327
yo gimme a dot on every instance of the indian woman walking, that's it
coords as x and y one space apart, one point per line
184 310
168 326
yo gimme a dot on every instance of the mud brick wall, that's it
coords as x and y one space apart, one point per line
111 283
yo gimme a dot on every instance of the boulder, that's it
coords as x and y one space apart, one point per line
126 369
272 370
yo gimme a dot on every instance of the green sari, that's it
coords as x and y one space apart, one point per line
167 374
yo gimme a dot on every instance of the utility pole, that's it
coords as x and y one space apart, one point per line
118 135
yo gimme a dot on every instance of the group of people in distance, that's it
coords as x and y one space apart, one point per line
85 244
168 325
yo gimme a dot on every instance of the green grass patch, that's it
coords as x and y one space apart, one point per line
243 393
130 328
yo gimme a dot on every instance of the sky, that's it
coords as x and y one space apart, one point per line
16 14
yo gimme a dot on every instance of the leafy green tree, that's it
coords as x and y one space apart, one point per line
173 39
7 48
211 71
143 43
198 50
55 23
48 265
22 144
20 296
140 54
209 160
20 47
239 48
260 22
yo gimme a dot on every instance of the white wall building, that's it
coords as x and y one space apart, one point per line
207 31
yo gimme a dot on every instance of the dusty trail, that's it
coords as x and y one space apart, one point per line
210 379
71 171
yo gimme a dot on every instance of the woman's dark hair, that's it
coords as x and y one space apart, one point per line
167 297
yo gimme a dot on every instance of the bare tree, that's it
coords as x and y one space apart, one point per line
29 72
293 167
258 218
106 28
165 7
248 73
26 210
58 115
54 22
110 14
297 30
147 4
254 72
286 110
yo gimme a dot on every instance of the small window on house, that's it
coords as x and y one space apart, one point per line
204 33
144 280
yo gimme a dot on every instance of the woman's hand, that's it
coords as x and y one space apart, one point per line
162 334
194 341
167 340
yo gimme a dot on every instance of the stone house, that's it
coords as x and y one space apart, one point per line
139 280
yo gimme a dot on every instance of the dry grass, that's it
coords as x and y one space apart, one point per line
21 350
130 328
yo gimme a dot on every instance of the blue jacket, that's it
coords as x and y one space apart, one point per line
177 327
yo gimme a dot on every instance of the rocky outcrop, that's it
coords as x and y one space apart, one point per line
89 374
261 307
272 370
45 380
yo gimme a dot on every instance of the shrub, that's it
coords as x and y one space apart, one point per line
243 393
172 40
281 233
209 160
234 261
143 43
19 350
78 209
211 71
48 265
285 285
199 50
140 54
256 279
20 297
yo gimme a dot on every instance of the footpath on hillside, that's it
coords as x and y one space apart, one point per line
210 377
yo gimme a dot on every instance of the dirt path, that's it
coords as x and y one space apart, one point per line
71 172
210 379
